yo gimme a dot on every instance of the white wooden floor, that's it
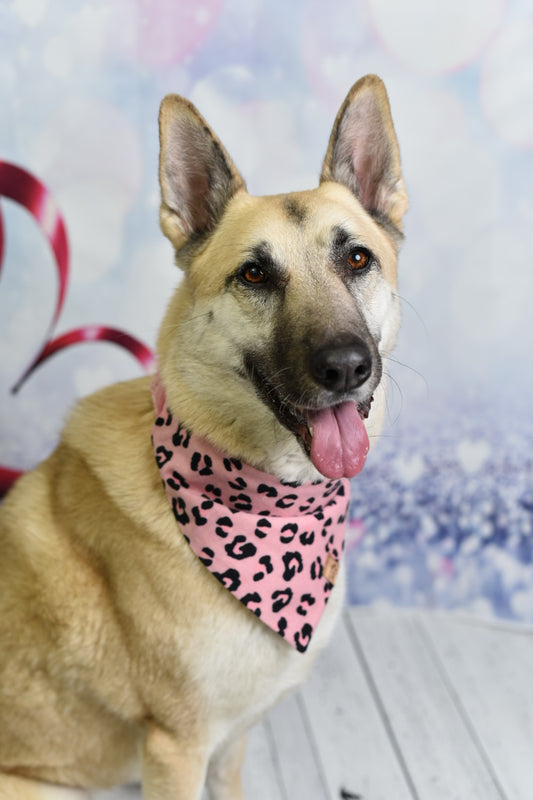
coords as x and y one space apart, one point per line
402 706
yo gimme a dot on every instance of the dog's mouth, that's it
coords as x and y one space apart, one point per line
334 437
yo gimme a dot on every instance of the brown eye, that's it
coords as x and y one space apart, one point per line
359 258
253 273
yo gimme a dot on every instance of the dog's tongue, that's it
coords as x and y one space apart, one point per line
340 442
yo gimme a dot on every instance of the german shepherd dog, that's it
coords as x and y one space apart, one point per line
122 657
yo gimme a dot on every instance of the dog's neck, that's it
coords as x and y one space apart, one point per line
250 433
275 546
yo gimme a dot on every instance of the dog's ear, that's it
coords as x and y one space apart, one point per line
363 152
196 175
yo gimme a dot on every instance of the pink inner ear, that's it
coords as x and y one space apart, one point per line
186 190
371 151
198 177
366 169
196 196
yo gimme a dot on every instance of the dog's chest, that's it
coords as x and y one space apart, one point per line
254 667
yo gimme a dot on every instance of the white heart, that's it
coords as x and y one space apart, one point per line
472 454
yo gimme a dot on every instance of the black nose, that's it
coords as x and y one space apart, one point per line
342 368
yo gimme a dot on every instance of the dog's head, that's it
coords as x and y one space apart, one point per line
273 344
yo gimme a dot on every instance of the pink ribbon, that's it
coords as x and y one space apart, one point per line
23 188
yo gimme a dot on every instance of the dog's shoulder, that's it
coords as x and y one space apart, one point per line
111 424
108 434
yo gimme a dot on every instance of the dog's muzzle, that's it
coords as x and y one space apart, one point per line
330 428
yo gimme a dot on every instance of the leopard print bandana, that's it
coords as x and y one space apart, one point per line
275 546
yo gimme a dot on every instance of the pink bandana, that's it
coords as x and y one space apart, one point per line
275 546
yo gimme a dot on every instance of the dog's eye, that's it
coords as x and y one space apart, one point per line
359 259
253 273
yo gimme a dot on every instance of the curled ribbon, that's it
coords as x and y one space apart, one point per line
23 188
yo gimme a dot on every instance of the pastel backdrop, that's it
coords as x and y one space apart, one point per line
442 514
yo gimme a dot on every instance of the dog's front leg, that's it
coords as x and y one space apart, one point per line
224 773
172 768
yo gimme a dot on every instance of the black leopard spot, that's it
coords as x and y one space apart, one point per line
262 524
180 511
208 556
214 490
252 597
246 549
282 598
162 456
303 637
307 506
270 491
293 564
223 522
282 626
231 464
307 537
238 484
198 517
182 437
196 461
287 501
266 561
306 601
177 481
316 569
160 421
230 579
241 502
293 528
334 487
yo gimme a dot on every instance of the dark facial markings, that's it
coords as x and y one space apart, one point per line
295 211
262 275
260 271
395 234
350 257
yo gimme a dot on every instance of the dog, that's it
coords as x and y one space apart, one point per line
126 650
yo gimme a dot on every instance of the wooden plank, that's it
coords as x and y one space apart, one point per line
260 771
490 668
443 760
356 752
300 766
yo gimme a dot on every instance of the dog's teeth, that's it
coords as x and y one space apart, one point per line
311 430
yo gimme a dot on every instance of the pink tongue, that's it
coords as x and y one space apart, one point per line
340 441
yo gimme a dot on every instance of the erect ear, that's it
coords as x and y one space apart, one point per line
363 152
196 175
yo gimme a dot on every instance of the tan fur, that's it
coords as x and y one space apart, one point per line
116 645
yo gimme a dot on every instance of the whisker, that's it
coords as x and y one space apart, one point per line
415 310
395 383
411 369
